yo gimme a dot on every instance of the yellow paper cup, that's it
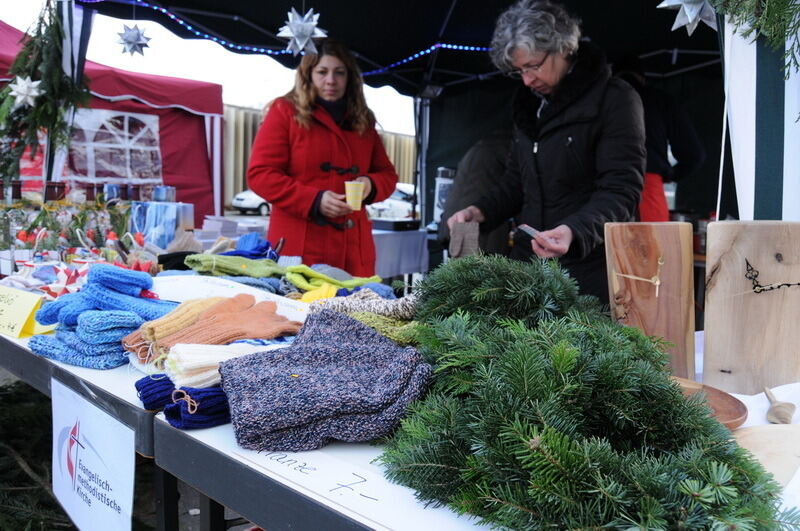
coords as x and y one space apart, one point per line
354 192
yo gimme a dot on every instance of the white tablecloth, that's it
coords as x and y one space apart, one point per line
400 252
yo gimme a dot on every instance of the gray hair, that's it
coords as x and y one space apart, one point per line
533 25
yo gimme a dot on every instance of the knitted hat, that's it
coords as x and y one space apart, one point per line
108 299
335 367
192 365
197 408
357 427
155 391
403 308
307 279
52 348
260 321
234 265
122 280
184 315
106 326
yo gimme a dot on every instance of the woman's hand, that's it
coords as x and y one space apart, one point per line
471 213
333 205
367 185
552 243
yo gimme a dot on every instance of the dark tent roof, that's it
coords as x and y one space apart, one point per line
385 32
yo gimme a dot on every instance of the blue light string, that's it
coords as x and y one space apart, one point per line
254 49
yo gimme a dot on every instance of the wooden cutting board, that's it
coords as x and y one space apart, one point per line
634 249
752 339
775 446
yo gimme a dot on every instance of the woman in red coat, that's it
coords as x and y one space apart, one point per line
312 140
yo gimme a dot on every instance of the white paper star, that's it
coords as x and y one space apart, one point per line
133 40
690 13
25 91
301 31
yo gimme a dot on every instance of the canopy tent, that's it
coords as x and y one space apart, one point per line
189 121
427 49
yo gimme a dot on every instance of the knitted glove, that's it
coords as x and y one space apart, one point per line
174 261
307 279
258 322
233 265
183 241
52 348
237 303
72 340
137 345
464 239
186 314
401 332
121 280
69 313
48 313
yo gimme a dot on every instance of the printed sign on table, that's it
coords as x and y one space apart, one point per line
93 462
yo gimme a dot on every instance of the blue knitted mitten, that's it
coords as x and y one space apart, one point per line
108 299
107 326
122 280
72 340
155 391
198 408
52 348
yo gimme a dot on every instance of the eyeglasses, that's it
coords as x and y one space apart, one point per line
519 72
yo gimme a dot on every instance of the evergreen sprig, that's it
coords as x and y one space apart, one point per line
572 423
778 21
39 59
492 288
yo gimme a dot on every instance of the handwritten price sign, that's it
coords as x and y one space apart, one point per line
17 311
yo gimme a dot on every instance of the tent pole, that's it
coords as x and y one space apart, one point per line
423 108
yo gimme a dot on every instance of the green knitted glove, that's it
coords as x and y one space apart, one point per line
219 265
307 279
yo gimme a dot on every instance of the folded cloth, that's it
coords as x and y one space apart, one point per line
326 291
52 348
332 272
251 245
97 326
400 331
121 280
155 391
336 366
192 365
183 241
403 308
197 408
267 283
72 340
175 261
185 314
356 427
219 265
307 279
109 299
258 322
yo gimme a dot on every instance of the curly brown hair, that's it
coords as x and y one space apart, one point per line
304 94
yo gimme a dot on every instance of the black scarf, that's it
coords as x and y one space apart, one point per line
337 109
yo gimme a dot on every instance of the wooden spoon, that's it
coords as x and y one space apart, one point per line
779 412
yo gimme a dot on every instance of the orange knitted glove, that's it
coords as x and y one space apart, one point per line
136 343
186 314
258 322
234 304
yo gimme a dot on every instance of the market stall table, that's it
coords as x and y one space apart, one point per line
400 252
336 487
113 391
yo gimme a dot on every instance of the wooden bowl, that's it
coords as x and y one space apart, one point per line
727 409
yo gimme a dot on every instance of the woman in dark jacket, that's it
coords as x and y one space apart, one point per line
578 154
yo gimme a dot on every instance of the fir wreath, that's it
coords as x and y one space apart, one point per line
565 421
39 59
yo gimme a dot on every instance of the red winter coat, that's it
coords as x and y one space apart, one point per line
285 170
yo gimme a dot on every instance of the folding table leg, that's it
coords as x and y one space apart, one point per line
212 514
166 490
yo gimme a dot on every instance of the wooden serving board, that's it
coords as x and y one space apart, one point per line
752 339
775 446
635 249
